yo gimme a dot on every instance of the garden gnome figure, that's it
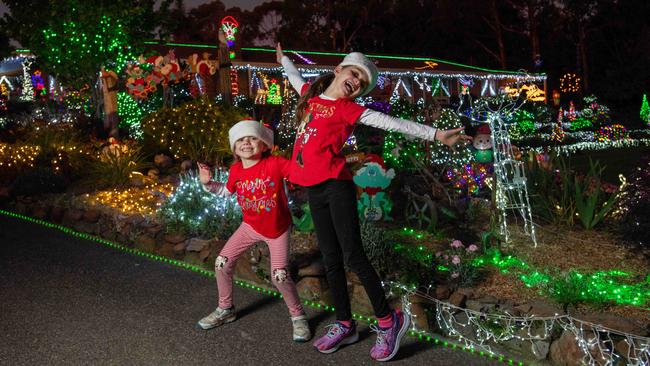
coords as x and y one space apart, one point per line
109 90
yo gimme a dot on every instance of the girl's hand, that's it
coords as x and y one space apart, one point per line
205 175
451 137
278 53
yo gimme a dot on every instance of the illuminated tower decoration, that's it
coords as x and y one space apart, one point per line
511 191
234 82
229 27
28 89
572 111
645 110
38 84
558 133
274 96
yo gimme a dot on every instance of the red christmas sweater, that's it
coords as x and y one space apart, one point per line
326 126
261 195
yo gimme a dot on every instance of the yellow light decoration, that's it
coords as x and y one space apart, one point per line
428 65
533 92
13 156
132 200
570 83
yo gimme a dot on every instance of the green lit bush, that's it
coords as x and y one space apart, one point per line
193 211
197 130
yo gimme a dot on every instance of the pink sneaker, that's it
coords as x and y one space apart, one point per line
387 343
337 335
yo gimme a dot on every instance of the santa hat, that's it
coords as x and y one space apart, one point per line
376 159
360 60
250 128
483 129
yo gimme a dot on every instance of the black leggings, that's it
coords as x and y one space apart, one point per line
333 205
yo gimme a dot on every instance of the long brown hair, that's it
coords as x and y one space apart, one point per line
316 88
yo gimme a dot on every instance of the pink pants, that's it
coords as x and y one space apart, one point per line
242 239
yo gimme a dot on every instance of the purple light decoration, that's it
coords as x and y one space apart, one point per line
303 58
379 106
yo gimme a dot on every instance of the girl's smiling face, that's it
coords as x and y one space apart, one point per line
349 82
250 148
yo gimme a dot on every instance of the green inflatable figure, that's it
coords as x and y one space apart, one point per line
373 178
304 223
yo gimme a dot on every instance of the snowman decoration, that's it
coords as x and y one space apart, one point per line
483 145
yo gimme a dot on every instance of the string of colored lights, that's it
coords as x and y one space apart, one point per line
421 335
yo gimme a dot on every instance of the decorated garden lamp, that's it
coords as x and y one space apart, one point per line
483 145
229 27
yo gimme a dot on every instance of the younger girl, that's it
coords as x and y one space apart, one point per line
326 116
258 180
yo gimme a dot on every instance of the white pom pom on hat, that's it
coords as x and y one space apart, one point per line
364 63
250 128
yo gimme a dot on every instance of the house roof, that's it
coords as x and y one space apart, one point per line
258 57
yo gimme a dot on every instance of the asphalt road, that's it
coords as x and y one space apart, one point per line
69 301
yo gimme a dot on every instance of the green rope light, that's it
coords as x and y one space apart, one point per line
420 335
409 58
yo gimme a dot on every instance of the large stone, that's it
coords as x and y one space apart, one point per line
154 230
86 227
179 248
174 238
564 351
618 323
316 268
162 161
541 308
466 291
39 212
134 220
166 250
197 245
244 271
540 349
72 215
458 299
56 214
419 317
91 216
310 288
145 243
442 292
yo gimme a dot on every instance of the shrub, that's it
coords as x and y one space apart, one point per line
634 205
591 200
197 130
193 211
38 181
114 166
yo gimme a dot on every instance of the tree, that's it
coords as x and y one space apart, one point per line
325 25
74 39
645 109
260 27
5 47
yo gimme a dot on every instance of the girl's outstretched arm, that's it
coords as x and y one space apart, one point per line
205 177
385 122
294 76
